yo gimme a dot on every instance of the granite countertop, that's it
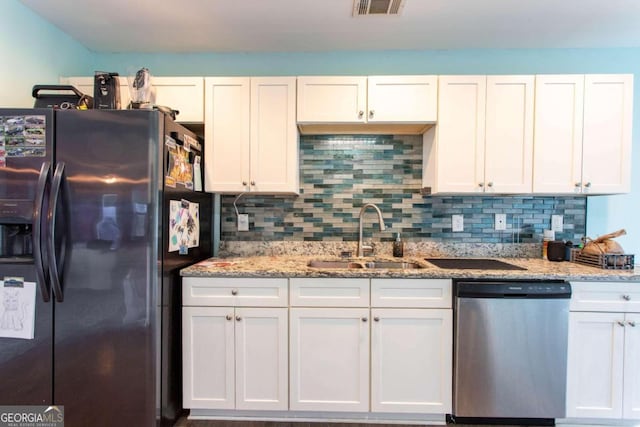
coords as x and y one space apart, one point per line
296 266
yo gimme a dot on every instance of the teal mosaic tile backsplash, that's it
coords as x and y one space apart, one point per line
339 174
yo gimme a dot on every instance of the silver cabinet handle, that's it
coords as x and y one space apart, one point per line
371 113
481 184
376 319
632 324
244 182
587 185
253 183
578 184
229 317
621 323
490 184
238 318
626 297
360 114
234 292
364 319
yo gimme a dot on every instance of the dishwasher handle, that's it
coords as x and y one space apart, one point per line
513 290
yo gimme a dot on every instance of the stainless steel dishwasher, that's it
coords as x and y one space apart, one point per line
510 349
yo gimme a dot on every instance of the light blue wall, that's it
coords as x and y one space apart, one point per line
34 52
604 213
516 61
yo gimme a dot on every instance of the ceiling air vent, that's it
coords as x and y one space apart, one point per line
377 7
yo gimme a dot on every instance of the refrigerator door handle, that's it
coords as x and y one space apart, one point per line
56 184
38 206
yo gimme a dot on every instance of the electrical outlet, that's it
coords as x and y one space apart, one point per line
243 222
457 223
501 222
557 223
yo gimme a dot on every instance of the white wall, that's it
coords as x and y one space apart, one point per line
34 52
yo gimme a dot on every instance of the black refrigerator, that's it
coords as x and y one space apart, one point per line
101 209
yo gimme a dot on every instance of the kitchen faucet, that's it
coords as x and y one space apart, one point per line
361 247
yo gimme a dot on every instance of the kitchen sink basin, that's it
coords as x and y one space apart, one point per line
472 263
334 264
364 264
392 264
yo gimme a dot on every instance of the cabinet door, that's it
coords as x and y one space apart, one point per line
595 365
632 367
397 99
274 136
607 134
208 358
185 94
329 366
458 153
332 99
411 360
509 134
226 162
261 337
557 152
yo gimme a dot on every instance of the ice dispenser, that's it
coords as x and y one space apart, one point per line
16 239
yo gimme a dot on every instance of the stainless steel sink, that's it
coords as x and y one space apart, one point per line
392 264
364 264
334 264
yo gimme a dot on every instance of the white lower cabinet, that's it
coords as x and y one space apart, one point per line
234 357
208 357
411 360
372 346
603 371
410 327
631 392
329 351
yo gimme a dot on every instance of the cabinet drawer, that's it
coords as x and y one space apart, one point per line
605 296
412 293
220 291
321 292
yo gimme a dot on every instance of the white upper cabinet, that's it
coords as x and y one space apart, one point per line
345 102
251 136
557 155
332 99
184 94
509 134
394 99
483 142
606 152
227 123
583 134
454 149
274 136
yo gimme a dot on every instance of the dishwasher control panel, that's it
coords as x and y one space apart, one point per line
512 289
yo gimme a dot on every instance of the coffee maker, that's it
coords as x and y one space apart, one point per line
106 91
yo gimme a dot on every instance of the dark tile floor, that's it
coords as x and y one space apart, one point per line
183 422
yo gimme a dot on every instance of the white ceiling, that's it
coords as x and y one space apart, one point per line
326 25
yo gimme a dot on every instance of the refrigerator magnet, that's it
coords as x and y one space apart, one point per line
17 311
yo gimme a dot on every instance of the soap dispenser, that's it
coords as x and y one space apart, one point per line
398 246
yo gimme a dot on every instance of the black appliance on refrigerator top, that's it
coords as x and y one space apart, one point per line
84 213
